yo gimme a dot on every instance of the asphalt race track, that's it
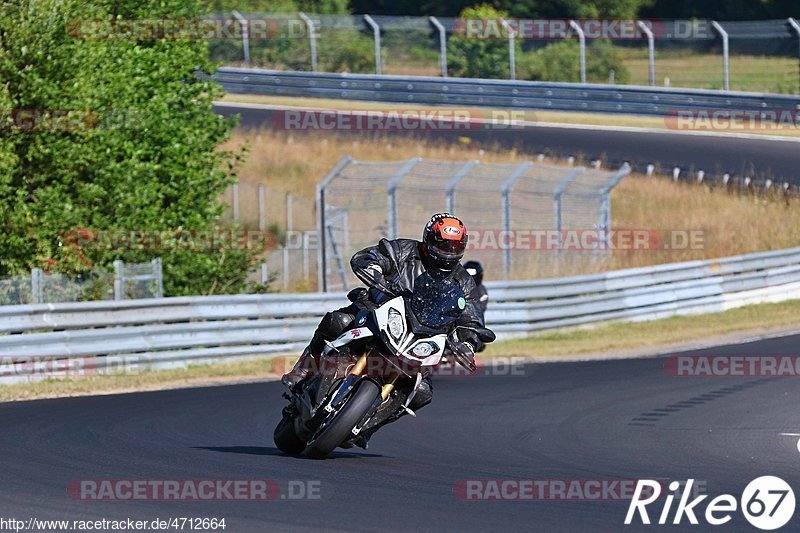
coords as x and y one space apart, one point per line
716 155
606 420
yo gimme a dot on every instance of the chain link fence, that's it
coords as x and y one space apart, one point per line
517 214
759 56
288 224
126 282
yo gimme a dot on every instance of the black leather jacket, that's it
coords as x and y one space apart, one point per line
400 263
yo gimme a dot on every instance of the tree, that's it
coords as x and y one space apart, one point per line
140 153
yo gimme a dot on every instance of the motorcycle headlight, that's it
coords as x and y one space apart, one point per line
424 349
395 324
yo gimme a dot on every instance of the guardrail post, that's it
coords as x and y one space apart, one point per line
245 36
312 39
37 281
512 60
158 276
119 292
582 40
322 278
651 50
793 23
506 211
391 195
453 183
376 32
725 54
442 44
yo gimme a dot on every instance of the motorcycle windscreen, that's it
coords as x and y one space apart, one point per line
436 300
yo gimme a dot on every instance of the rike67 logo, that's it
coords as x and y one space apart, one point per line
767 503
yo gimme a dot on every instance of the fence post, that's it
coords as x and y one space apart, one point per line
119 267
442 44
453 183
793 23
557 194
512 60
37 280
245 36
235 194
262 208
651 50
289 214
391 191
312 39
725 54
582 41
158 274
376 32
322 278
506 212
605 206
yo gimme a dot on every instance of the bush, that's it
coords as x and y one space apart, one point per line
561 62
478 56
144 157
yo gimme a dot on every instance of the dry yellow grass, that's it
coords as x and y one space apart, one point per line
730 223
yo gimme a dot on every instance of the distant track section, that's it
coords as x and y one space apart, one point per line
739 155
517 94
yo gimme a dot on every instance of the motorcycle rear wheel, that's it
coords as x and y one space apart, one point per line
338 430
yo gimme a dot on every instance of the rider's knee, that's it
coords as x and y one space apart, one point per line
334 324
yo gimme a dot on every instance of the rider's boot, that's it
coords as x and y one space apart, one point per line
303 368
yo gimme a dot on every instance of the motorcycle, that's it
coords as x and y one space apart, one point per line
370 373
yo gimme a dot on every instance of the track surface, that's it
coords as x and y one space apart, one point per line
716 155
558 421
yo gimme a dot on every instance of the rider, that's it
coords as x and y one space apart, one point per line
390 269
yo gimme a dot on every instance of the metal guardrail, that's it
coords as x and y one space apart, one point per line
168 332
497 93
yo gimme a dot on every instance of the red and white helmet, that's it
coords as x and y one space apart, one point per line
444 241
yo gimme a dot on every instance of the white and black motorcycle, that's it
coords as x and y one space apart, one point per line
372 371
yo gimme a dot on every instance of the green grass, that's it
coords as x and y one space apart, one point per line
704 71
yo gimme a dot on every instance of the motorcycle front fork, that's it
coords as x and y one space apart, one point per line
358 369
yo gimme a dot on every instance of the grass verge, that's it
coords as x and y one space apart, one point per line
605 340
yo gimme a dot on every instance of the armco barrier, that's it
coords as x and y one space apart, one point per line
169 332
627 99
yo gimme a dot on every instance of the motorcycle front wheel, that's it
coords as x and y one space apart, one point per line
286 438
339 428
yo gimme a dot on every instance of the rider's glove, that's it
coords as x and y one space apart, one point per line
464 354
